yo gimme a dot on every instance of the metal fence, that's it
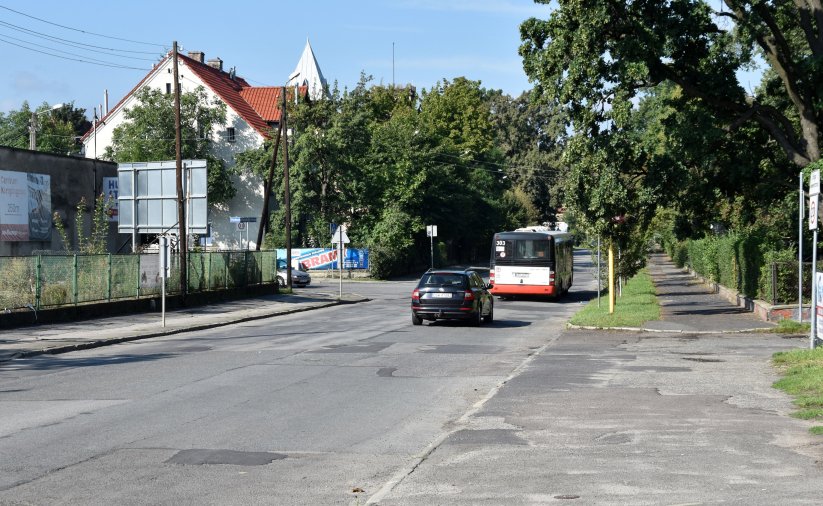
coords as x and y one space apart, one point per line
778 285
57 280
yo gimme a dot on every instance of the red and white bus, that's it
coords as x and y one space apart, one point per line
532 261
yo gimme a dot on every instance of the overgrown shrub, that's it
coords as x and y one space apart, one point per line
679 253
703 258
54 295
785 288
17 282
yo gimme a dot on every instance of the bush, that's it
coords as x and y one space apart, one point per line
739 261
385 262
679 253
785 290
54 295
17 282
703 258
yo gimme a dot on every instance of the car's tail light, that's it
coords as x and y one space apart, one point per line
416 295
469 295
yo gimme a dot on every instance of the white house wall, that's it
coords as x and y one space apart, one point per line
249 198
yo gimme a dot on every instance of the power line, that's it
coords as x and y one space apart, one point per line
79 30
54 38
72 54
111 65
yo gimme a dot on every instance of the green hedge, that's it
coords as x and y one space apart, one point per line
785 274
678 252
736 260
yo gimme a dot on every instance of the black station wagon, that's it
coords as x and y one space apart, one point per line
452 295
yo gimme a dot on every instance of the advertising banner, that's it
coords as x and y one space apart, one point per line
39 187
25 206
110 193
326 258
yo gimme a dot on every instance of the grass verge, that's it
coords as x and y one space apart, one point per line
637 305
803 378
787 326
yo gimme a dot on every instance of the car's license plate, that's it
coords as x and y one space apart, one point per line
521 274
442 295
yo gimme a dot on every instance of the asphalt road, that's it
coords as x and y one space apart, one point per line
310 408
354 405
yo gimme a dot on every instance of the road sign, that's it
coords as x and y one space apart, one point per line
340 236
241 225
813 201
165 265
814 183
431 230
234 219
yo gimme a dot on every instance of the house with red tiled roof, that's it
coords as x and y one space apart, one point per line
252 116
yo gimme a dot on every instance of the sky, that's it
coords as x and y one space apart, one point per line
416 42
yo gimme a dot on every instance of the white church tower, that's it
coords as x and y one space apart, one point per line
307 73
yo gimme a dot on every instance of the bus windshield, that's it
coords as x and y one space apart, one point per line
522 250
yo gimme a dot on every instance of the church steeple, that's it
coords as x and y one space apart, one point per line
308 73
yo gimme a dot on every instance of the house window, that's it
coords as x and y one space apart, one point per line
230 134
168 88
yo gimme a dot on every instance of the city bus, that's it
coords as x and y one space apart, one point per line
532 261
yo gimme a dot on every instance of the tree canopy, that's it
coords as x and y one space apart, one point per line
58 130
148 134
660 119
389 161
595 56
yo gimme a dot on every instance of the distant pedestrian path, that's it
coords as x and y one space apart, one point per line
688 305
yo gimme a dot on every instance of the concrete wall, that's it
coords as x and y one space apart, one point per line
71 179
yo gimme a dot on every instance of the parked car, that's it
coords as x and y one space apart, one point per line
445 294
299 275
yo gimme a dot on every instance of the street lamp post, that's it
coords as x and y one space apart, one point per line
33 125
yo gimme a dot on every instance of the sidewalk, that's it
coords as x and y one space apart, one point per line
688 305
68 336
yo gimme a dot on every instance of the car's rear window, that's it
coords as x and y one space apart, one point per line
443 279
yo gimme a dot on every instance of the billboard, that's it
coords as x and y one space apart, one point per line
25 206
147 197
326 258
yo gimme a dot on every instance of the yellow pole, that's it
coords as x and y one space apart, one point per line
611 278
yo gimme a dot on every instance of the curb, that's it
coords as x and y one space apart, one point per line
168 332
758 330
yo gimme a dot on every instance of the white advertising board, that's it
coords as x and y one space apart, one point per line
25 206
148 197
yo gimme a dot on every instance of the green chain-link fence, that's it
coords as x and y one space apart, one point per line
56 280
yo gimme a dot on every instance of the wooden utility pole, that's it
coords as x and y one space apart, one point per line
181 203
287 197
264 217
